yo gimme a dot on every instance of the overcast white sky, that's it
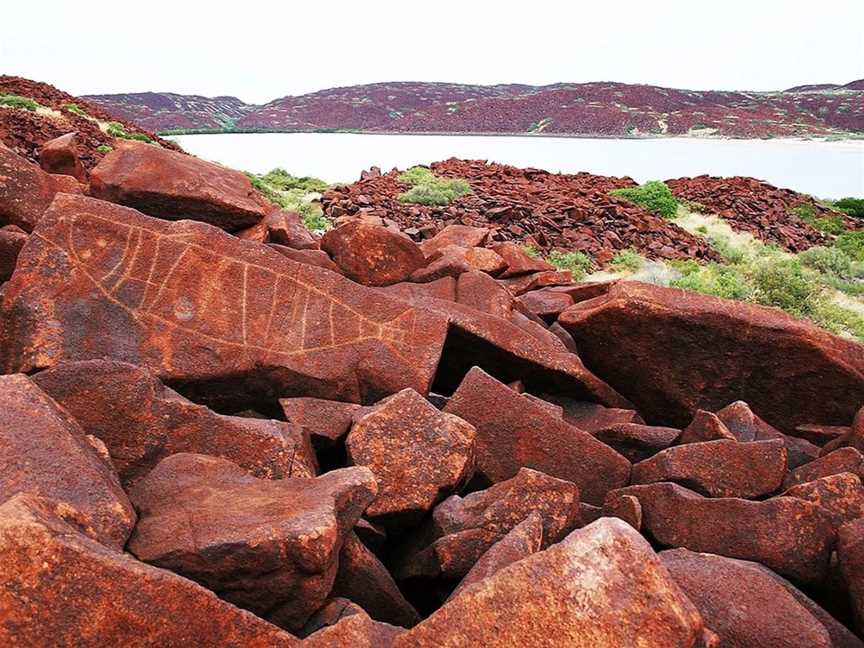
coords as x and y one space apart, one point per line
259 50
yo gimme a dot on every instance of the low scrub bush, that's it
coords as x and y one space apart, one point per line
654 196
531 251
713 279
428 189
628 259
784 283
104 148
578 263
17 101
75 109
827 224
828 260
116 129
852 244
292 199
851 206
281 180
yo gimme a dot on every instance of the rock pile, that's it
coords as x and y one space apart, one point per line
211 439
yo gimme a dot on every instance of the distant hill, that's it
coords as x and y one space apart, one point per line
599 109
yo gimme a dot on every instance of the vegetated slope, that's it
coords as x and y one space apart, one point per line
602 109
58 113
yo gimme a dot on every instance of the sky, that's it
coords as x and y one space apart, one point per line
259 50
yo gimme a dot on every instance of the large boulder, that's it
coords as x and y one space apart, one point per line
372 255
44 452
141 422
687 351
460 235
12 240
269 546
172 185
791 536
601 587
25 190
60 155
59 587
231 323
743 604
514 431
418 455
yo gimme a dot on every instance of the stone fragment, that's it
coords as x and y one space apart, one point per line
174 186
317 258
461 235
25 190
418 455
741 603
850 553
269 546
723 468
371 255
590 416
545 303
479 291
695 351
60 156
443 288
58 587
833 463
518 262
637 442
514 432
841 495
820 434
453 260
362 578
788 535
853 438
706 426
326 421
286 228
229 323
44 452
623 507
12 239
141 422
601 587
343 624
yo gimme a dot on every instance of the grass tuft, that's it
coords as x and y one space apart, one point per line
628 259
428 189
17 101
578 263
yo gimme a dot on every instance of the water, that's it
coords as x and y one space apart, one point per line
824 169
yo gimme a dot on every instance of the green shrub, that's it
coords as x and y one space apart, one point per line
531 251
826 224
416 175
785 284
726 249
654 196
17 101
852 206
429 189
852 243
713 279
104 148
828 260
628 259
578 263
75 109
116 129
281 180
837 319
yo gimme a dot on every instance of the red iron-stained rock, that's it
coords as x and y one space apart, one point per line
636 441
481 292
462 235
695 351
25 190
44 452
833 463
60 156
513 431
706 426
790 536
819 434
841 495
854 438
593 417
258 233
601 587
536 281
141 422
418 455
623 507
269 546
174 186
341 623
310 257
61 588
544 303
362 578
742 603
12 239
518 261
326 421
226 321
723 468
452 261
285 228
521 541
372 255
464 528
850 553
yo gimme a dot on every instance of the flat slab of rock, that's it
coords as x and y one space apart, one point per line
228 321
513 431
742 603
141 422
722 468
791 536
418 455
833 463
372 255
636 441
850 553
60 588
44 452
694 351
518 261
853 438
269 546
841 495
326 421
25 190
461 235
453 260
173 185
342 624
591 416
602 586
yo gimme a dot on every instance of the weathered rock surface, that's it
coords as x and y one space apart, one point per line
363 579
518 262
479 291
342 623
310 257
372 255
171 185
453 260
461 235
12 239
850 553
205 310
602 586
854 438
706 426
791 536
742 604
418 455
623 507
691 351
833 463
591 416
60 156
326 421
25 190
722 468
636 441
60 588
269 546
841 495
464 528
545 304
44 452
141 422
286 228
513 431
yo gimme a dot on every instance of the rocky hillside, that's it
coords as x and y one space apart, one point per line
220 429
601 109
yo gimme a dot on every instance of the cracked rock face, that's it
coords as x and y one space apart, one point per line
269 546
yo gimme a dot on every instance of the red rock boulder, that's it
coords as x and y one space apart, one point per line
518 261
340 623
12 239
174 186
850 554
463 236
853 438
25 190
636 441
60 156
841 495
833 463
452 261
372 255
